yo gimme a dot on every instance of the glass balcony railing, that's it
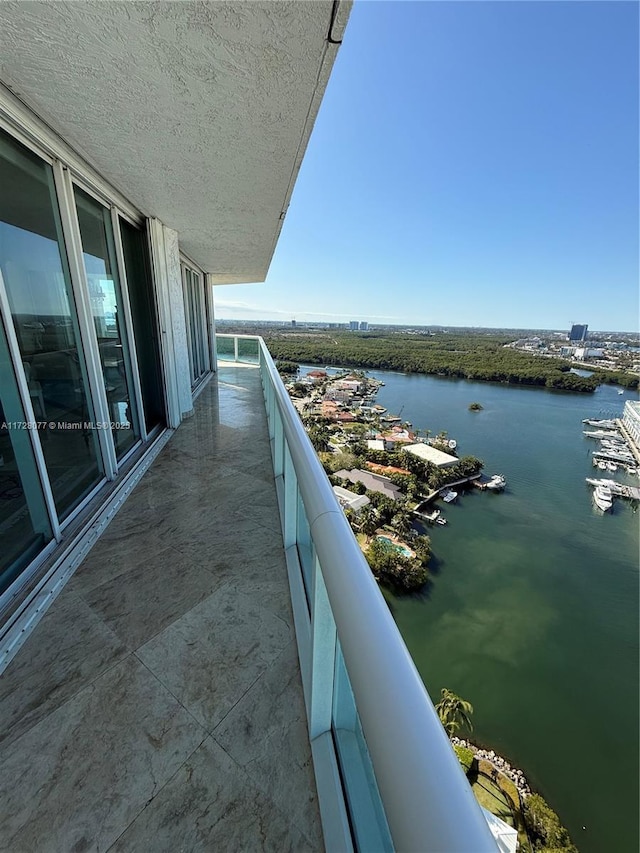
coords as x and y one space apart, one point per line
386 774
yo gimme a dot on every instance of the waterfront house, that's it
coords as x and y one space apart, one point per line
195 653
431 454
350 500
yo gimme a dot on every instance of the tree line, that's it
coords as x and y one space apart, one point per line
462 356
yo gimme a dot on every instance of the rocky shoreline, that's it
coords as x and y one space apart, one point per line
502 765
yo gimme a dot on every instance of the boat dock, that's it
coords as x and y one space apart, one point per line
434 494
630 444
618 489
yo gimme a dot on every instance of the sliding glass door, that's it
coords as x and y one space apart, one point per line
108 317
195 306
77 392
35 275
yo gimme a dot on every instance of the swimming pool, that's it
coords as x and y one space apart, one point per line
403 550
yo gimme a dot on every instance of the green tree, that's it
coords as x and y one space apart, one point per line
544 824
401 521
454 712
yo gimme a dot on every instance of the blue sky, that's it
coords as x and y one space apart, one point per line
473 164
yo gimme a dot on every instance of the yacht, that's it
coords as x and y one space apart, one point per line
602 465
449 497
441 520
611 466
602 498
497 483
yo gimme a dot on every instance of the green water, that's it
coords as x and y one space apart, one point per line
532 613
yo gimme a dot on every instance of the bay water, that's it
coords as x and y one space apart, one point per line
531 612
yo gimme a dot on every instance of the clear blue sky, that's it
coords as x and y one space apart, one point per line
473 164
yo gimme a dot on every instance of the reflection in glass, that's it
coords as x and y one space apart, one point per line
24 523
106 308
195 311
34 270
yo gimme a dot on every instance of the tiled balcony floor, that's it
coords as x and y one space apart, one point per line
158 705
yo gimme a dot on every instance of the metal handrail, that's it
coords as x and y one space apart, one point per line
428 803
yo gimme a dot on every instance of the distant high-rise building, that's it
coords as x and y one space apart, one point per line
578 333
293 324
353 325
364 326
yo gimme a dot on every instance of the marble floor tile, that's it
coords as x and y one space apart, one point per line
70 648
210 805
110 559
190 573
266 734
77 779
211 656
139 604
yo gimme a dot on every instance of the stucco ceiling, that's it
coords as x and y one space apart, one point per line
198 112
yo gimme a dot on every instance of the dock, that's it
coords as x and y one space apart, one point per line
434 494
620 490
630 443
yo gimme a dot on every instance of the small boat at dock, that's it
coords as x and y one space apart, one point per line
603 498
449 497
496 483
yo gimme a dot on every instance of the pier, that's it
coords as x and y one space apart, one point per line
630 443
434 494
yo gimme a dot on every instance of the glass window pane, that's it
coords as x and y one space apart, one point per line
145 323
34 270
106 307
24 523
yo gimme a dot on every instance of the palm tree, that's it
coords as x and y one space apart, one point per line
454 712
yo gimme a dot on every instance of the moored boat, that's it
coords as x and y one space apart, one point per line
449 497
497 483
603 498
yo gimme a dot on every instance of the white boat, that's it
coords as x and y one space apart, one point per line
441 520
620 391
452 444
602 466
497 483
611 466
449 497
602 498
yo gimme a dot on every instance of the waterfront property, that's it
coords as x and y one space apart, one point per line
431 454
195 652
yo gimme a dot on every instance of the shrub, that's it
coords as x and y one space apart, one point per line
465 757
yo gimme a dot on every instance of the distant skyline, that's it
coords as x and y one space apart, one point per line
473 164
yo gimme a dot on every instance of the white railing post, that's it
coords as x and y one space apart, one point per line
235 349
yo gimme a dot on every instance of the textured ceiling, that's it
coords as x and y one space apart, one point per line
198 112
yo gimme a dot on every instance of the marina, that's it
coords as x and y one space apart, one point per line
617 452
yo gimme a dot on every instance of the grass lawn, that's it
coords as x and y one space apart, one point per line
492 799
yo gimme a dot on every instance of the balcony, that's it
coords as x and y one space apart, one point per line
221 672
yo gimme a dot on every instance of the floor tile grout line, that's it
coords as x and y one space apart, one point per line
74 695
172 694
160 789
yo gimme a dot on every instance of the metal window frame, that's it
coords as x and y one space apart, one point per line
89 340
155 231
128 324
25 398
